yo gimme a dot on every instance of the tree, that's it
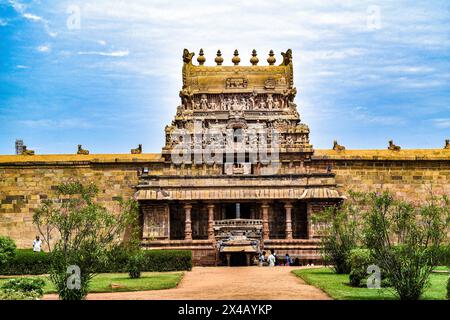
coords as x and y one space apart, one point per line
84 231
341 232
404 240
7 249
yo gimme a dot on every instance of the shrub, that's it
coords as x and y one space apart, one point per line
18 295
7 249
404 240
359 260
26 261
85 230
166 260
25 285
116 260
135 266
341 232
448 289
442 255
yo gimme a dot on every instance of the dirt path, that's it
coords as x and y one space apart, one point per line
222 283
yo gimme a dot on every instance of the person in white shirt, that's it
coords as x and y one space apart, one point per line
271 260
37 243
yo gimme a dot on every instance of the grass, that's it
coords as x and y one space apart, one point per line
337 286
102 282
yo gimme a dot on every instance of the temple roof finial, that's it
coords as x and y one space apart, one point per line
271 59
236 58
201 59
254 59
219 59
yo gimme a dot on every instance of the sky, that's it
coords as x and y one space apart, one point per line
106 74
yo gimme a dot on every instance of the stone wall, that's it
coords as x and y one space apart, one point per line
409 174
26 180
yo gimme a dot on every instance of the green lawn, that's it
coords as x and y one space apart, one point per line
148 281
337 286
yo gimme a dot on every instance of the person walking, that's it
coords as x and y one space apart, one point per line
37 243
271 260
288 260
261 259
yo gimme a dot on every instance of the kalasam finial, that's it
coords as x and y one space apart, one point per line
271 59
254 59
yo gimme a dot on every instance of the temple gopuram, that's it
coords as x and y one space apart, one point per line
237 174
237 177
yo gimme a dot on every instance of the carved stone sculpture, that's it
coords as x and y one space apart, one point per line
138 150
82 151
337 146
447 144
26 152
393 147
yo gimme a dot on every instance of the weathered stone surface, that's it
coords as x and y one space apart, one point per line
25 181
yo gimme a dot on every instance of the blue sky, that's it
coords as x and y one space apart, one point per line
366 72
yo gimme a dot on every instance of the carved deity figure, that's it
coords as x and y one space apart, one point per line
236 105
289 141
244 105
447 144
252 99
276 104
269 101
203 102
262 104
229 104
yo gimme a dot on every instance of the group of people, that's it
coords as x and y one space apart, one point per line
273 260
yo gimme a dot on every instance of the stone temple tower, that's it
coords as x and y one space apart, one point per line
236 177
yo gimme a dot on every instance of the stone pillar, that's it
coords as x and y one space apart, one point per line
187 223
210 222
248 258
288 208
228 255
309 229
265 217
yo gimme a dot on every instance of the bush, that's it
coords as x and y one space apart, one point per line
116 260
151 260
166 260
448 289
7 249
341 232
442 256
135 266
26 261
34 263
25 285
18 295
359 260
404 240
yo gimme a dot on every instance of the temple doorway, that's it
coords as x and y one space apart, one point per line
238 259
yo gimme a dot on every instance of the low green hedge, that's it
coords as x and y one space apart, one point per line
25 261
167 260
29 262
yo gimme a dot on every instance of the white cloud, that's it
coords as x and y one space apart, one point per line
22 67
120 53
43 48
32 17
442 123
56 124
